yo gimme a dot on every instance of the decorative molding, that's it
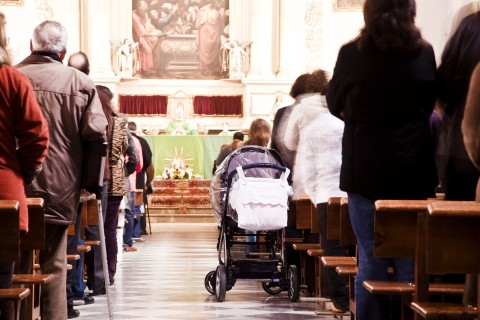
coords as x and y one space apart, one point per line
12 3
43 10
314 42
348 5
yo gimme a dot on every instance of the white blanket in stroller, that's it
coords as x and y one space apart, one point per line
261 203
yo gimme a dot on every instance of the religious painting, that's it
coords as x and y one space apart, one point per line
348 5
12 3
177 39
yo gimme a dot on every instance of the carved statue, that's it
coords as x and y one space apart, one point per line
126 58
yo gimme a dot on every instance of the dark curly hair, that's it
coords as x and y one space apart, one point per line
299 86
317 82
390 26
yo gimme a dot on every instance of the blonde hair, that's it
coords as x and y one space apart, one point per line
259 133
5 58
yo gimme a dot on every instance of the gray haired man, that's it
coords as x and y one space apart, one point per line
75 118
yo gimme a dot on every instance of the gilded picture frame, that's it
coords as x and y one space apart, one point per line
348 5
12 3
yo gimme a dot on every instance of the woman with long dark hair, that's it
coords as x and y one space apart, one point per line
383 88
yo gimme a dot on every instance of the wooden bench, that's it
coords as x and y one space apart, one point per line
33 241
339 228
307 222
10 249
451 246
399 233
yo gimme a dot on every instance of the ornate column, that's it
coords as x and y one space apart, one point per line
314 33
262 35
97 30
292 46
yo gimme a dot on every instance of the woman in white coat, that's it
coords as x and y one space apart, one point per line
317 137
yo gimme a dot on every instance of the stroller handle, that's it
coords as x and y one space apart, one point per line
258 165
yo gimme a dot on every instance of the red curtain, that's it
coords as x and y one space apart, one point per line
217 105
143 105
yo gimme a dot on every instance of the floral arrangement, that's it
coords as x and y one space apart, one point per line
177 170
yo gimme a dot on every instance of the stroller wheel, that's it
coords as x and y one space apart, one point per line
271 287
220 283
294 289
210 282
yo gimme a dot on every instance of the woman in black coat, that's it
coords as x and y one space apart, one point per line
383 88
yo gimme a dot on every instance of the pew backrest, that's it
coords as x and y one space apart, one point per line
10 230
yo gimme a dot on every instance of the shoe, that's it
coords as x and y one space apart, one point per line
138 239
78 302
130 249
99 292
112 281
337 309
89 300
72 313
144 233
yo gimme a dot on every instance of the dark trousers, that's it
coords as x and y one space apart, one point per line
72 244
93 259
110 227
6 306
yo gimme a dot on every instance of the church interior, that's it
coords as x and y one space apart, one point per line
191 73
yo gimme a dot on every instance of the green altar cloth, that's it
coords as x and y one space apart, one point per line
198 152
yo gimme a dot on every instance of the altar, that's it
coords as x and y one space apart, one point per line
198 152
181 195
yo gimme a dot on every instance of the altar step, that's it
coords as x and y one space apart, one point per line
162 215
180 201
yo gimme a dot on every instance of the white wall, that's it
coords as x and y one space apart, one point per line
434 17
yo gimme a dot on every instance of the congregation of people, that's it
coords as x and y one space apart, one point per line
388 124
55 139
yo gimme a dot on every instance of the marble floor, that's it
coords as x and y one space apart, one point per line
164 280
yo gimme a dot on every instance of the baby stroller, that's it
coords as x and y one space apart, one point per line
249 191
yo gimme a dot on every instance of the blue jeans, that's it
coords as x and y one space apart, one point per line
78 285
251 236
370 306
128 228
137 228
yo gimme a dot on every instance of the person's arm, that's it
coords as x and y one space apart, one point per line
31 131
131 152
336 88
93 123
292 132
150 171
471 119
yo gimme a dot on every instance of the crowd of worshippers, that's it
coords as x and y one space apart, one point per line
55 138
388 124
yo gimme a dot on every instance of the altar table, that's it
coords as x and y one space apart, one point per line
198 152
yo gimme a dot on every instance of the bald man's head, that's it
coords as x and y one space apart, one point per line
80 62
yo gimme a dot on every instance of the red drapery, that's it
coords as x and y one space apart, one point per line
217 105
143 105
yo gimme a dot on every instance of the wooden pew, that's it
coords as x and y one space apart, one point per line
452 237
347 236
32 241
339 229
10 249
304 220
400 233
